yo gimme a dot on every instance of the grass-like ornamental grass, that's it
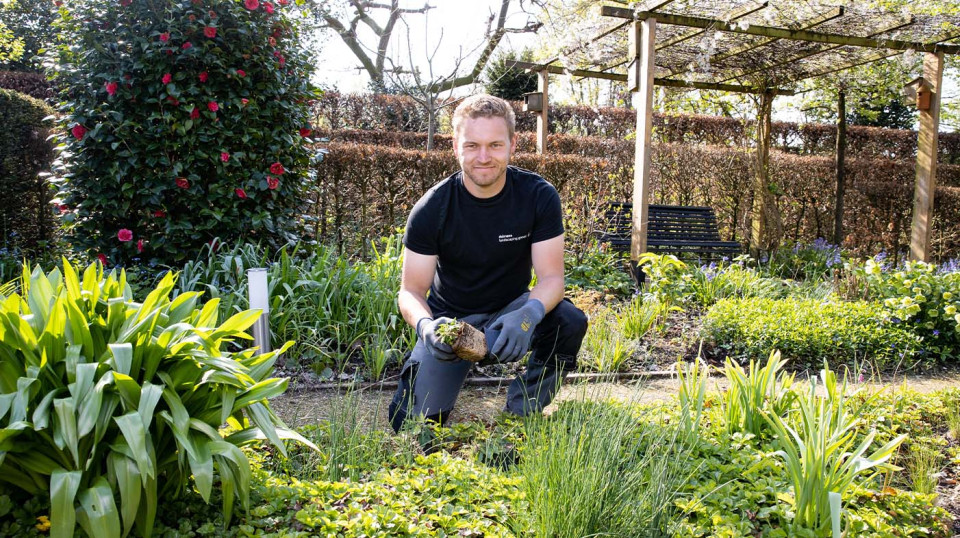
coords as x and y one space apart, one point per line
807 331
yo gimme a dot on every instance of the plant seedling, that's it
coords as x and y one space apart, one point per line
468 343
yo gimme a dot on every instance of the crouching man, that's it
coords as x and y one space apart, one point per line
471 241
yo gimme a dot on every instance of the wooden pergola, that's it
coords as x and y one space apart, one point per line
752 47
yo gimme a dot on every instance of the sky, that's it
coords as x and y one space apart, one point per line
460 25
451 24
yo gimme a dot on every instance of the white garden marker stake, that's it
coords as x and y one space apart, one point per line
260 299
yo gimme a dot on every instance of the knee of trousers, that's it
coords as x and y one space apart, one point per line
573 326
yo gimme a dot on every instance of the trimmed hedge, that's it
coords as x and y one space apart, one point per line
396 113
33 84
26 219
364 191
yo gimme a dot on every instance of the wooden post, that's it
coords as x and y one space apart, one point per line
645 34
926 160
543 86
841 150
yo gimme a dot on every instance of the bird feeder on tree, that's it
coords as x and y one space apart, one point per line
918 92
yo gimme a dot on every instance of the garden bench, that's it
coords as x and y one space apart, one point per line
689 232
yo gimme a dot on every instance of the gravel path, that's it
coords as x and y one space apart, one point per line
298 408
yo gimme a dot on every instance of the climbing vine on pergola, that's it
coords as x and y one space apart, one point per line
759 48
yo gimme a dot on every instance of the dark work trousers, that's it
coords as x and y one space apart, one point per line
429 387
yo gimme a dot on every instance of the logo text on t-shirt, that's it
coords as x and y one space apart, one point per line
506 238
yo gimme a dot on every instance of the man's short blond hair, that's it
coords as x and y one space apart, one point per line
484 106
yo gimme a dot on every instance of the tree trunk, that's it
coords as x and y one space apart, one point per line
841 179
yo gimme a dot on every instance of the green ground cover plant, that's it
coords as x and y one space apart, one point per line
808 331
109 406
921 297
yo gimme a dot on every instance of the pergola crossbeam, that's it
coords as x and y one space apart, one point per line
557 70
828 16
783 33
794 59
735 15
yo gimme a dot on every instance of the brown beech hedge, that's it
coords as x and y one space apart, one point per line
365 190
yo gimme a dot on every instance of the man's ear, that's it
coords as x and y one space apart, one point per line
513 143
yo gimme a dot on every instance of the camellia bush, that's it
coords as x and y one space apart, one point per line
183 121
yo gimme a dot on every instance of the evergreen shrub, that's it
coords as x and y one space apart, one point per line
183 120
809 331
26 219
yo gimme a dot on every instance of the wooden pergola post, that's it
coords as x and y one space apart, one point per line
927 160
543 86
644 35
841 158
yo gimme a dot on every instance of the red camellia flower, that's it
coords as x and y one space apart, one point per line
63 208
210 31
213 106
159 213
240 193
182 183
272 182
272 41
78 131
251 4
125 3
192 17
224 156
195 113
169 52
124 235
111 88
282 61
139 245
244 101
277 169
282 2
164 37
241 72
103 258
305 132
212 13
204 76
167 77
268 7
173 101
187 45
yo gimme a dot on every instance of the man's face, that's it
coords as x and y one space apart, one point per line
483 147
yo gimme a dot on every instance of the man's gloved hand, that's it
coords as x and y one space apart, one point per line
427 331
516 331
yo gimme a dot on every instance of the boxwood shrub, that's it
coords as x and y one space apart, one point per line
807 331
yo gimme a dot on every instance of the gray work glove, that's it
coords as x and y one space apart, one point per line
516 331
426 330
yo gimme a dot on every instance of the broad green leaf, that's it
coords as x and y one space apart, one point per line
63 492
237 323
202 465
264 390
249 435
122 357
22 400
65 428
128 389
97 512
131 426
149 397
130 485
41 415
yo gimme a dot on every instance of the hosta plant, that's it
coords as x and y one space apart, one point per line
109 405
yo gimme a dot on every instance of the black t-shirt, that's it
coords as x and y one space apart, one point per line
482 244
